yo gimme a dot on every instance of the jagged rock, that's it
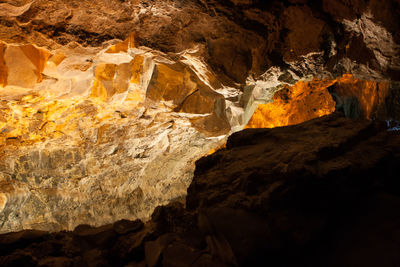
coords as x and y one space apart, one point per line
292 194
106 105
125 226
307 100
67 129
293 105
327 195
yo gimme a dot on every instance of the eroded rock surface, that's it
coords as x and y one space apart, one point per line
106 105
304 101
100 139
322 193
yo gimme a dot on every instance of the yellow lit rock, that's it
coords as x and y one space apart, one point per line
293 105
371 95
86 138
38 57
170 83
123 46
135 96
25 64
111 79
103 81
137 69
57 58
308 100
179 84
3 67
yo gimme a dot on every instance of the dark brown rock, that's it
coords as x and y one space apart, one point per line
131 247
154 249
18 258
94 236
21 239
179 254
56 262
319 173
124 226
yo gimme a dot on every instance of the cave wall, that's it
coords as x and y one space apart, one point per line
106 105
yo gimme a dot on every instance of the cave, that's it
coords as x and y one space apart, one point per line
199 133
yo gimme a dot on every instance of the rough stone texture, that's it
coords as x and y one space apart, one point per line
94 145
322 193
105 136
54 23
110 169
239 37
113 101
308 100
296 104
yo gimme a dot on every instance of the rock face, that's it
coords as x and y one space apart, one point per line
322 193
106 105
308 100
93 143
292 105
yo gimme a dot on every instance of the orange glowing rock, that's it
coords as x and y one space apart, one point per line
22 65
110 79
102 85
57 58
370 94
213 150
3 67
38 57
123 46
307 100
137 69
292 105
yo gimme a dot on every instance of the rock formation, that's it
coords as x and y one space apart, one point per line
308 100
106 105
121 137
321 193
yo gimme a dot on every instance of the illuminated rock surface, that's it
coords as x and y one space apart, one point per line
308 100
97 142
106 105
301 102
